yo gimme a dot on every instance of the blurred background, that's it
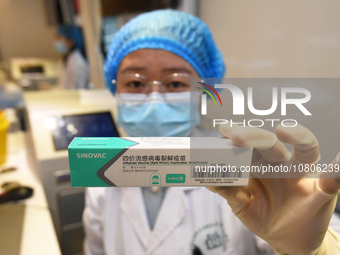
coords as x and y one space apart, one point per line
40 41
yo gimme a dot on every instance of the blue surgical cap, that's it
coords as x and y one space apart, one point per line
72 33
180 33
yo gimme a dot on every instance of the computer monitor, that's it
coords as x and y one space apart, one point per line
67 127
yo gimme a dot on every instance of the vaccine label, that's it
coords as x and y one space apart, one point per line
156 161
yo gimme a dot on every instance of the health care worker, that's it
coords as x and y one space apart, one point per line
150 63
74 69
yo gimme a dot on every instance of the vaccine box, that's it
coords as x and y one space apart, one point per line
157 161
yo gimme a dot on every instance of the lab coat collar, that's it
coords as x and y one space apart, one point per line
132 204
171 214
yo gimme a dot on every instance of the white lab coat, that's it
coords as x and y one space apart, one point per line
75 73
116 223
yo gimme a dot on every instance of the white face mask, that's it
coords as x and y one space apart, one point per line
60 47
142 116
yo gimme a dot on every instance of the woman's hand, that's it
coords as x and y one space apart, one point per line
291 214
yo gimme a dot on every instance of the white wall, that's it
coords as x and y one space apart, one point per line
272 38
24 31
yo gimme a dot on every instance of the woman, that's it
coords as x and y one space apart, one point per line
151 57
74 69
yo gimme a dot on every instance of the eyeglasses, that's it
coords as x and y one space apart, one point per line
140 85
137 83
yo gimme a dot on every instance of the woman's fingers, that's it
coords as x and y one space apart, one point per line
225 130
306 146
267 144
329 181
271 147
237 197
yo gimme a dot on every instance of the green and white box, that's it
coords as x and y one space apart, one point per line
157 161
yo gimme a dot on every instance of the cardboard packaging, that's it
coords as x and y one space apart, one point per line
157 161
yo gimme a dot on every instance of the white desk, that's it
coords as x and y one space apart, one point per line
38 236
